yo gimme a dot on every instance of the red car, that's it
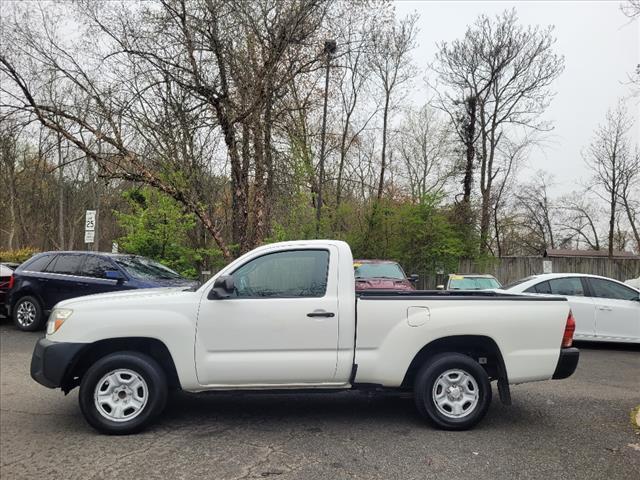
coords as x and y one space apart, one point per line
6 271
382 275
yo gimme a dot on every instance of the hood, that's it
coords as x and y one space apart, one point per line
383 284
122 296
168 282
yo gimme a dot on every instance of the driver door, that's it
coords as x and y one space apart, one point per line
280 326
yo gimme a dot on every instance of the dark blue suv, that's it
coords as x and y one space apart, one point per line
48 278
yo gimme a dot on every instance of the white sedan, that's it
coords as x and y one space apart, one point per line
604 309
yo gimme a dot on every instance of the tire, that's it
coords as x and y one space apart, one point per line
134 393
468 399
27 314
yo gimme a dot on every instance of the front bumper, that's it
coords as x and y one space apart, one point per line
567 363
51 360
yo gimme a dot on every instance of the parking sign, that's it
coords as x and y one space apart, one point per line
90 221
90 226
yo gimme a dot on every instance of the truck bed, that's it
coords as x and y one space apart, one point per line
527 330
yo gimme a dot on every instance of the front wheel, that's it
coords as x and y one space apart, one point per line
27 314
452 391
122 393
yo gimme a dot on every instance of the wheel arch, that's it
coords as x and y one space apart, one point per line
26 291
475 346
152 347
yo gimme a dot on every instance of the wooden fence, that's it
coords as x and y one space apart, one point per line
510 269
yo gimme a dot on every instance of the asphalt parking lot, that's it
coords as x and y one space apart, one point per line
577 428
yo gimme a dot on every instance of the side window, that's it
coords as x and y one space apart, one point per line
296 273
38 264
606 289
96 267
66 264
567 286
542 287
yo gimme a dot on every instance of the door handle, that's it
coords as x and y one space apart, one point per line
607 309
321 314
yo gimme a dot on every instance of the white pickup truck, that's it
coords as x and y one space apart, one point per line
286 316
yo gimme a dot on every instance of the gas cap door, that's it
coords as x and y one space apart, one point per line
417 316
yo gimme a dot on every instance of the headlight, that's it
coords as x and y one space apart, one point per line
57 318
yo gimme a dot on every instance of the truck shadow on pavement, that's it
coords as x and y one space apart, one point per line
358 409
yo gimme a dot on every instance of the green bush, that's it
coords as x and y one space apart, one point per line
18 256
158 228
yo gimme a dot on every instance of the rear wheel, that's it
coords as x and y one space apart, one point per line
452 391
122 393
27 314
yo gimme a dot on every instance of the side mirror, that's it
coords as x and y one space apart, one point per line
440 287
223 287
413 278
114 275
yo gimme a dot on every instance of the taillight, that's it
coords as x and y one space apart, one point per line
11 282
569 329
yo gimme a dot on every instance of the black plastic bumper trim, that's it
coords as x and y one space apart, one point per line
567 363
50 361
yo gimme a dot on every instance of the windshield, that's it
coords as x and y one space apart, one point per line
473 283
378 270
145 269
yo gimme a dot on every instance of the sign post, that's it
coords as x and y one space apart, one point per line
89 227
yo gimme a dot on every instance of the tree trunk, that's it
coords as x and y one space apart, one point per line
488 176
496 226
471 105
343 157
60 196
470 135
268 161
239 193
383 158
259 188
612 221
322 150
549 228
632 222
10 163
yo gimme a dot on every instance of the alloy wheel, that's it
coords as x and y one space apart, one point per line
26 313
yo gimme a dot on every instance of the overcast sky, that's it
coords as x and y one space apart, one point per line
601 47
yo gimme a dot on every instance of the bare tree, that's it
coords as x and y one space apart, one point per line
579 220
354 80
8 166
512 154
631 8
537 211
217 69
629 194
507 70
609 157
424 144
391 63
